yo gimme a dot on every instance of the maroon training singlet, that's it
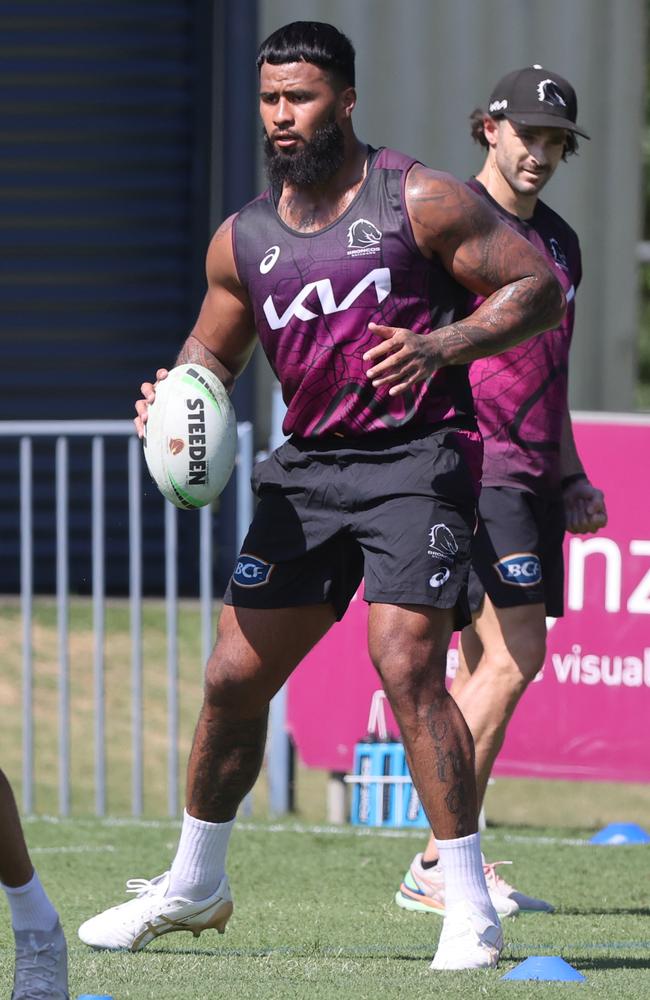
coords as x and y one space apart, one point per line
314 294
521 394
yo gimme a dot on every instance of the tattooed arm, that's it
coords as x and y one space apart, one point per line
522 297
223 336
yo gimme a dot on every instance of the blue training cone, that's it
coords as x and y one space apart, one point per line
545 967
94 996
621 833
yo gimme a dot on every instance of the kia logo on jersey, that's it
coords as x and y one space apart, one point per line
379 277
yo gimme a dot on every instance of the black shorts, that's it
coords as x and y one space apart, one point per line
395 510
517 550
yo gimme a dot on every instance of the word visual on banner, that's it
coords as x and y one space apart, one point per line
586 714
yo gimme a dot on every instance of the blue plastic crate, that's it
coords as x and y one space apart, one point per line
375 803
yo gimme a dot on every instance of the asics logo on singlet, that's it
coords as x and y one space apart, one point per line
269 259
379 277
549 92
363 238
521 569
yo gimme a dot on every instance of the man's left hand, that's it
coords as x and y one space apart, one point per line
403 359
584 508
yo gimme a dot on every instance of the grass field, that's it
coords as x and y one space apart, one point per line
314 916
511 801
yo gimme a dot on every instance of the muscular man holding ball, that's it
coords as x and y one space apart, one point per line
353 269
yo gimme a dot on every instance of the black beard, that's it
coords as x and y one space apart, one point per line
313 165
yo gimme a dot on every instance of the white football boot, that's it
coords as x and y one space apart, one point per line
134 924
468 940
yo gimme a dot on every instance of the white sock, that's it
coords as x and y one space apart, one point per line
31 909
200 861
464 876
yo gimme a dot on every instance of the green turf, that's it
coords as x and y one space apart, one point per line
509 801
314 916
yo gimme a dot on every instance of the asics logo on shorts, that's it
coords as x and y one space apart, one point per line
251 571
439 577
522 569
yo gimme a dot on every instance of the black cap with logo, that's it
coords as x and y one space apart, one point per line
535 96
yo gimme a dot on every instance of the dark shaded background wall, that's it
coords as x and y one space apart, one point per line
111 173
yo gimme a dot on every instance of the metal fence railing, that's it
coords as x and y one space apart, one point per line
97 432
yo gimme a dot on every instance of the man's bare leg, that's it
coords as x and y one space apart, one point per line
15 867
255 652
408 645
41 954
499 655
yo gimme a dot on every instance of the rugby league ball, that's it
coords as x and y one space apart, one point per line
190 439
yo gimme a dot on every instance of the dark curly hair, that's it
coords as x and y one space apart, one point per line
478 135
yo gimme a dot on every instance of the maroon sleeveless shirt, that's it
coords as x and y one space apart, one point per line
314 294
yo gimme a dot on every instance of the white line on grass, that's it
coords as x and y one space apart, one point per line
520 838
306 828
79 849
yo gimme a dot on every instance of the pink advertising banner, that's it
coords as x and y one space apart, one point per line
587 715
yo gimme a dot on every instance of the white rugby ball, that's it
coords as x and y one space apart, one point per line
190 439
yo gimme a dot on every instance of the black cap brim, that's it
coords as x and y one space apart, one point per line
536 118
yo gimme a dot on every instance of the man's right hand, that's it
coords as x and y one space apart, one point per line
584 508
148 391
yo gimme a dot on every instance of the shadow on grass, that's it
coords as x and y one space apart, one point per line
585 964
603 911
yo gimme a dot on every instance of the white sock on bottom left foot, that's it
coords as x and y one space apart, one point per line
31 909
200 861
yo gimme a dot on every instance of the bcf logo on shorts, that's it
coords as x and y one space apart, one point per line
251 571
523 569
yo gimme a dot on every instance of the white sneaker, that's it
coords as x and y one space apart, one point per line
498 887
423 890
468 940
134 924
41 965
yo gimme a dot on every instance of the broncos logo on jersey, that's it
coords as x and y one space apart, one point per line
363 235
